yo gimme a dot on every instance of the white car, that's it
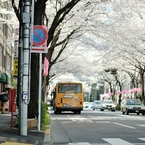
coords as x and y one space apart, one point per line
108 104
88 105
132 106
91 105
97 104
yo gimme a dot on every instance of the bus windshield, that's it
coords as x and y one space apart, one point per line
62 88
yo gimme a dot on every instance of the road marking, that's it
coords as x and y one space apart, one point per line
142 125
142 139
116 141
66 122
124 125
82 120
79 143
102 121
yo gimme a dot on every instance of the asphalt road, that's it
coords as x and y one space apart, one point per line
98 128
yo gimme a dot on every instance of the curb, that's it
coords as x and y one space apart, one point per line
47 136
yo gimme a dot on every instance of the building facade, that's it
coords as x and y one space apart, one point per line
6 46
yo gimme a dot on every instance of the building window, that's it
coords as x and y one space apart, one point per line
1 22
1 58
8 63
5 30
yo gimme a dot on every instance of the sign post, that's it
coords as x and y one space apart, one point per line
40 36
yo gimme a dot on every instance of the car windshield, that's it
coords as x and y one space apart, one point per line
134 102
108 102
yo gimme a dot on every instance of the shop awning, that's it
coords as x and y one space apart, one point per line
4 78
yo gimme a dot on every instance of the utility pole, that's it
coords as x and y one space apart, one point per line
24 67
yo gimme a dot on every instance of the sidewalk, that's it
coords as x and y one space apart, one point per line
10 136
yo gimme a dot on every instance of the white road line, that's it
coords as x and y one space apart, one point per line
142 125
102 121
116 141
79 143
124 125
142 139
67 122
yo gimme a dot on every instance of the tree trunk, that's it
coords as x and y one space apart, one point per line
33 105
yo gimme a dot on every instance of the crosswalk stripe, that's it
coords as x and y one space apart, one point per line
116 141
79 143
142 139
109 141
142 125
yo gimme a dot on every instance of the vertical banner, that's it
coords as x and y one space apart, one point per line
12 100
12 104
46 66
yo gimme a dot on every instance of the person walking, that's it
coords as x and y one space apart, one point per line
4 99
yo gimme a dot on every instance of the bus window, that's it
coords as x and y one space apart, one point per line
60 87
69 88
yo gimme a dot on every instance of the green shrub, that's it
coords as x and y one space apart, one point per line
45 116
16 121
117 107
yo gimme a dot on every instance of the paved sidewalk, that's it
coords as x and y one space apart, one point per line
10 136
58 135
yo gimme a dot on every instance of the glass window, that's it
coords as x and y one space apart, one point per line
69 88
134 102
8 63
1 23
1 55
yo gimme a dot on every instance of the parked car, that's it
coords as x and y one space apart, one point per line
132 106
107 104
97 104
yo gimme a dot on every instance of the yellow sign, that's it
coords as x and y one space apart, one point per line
15 69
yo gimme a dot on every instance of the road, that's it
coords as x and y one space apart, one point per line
94 127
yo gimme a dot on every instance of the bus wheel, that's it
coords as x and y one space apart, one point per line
75 112
56 111
79 112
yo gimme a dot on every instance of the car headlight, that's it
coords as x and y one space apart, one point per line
113 105
104 105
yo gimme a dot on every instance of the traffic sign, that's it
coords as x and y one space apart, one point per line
25 95
15 70
40 35
36 49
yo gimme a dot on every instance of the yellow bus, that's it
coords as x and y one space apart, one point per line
68 96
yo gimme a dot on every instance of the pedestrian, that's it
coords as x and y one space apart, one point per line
4 99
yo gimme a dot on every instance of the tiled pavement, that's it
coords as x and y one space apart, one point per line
10 136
